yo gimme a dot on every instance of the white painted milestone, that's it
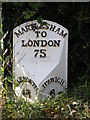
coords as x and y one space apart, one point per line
40 56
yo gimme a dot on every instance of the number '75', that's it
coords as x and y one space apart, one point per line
41 53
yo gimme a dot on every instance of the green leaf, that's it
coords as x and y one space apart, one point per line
10 72
44 23
35 6
27 16
9 80
6 84
7 59
1 58
16 4
2 69
32 13
39 19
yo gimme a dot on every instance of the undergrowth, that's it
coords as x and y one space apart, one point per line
72 105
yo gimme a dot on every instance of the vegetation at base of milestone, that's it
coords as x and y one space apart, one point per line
64 106
74 105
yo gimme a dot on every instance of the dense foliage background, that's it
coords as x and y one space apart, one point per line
72 105
74 16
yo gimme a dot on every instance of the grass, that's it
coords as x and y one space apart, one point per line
72 105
